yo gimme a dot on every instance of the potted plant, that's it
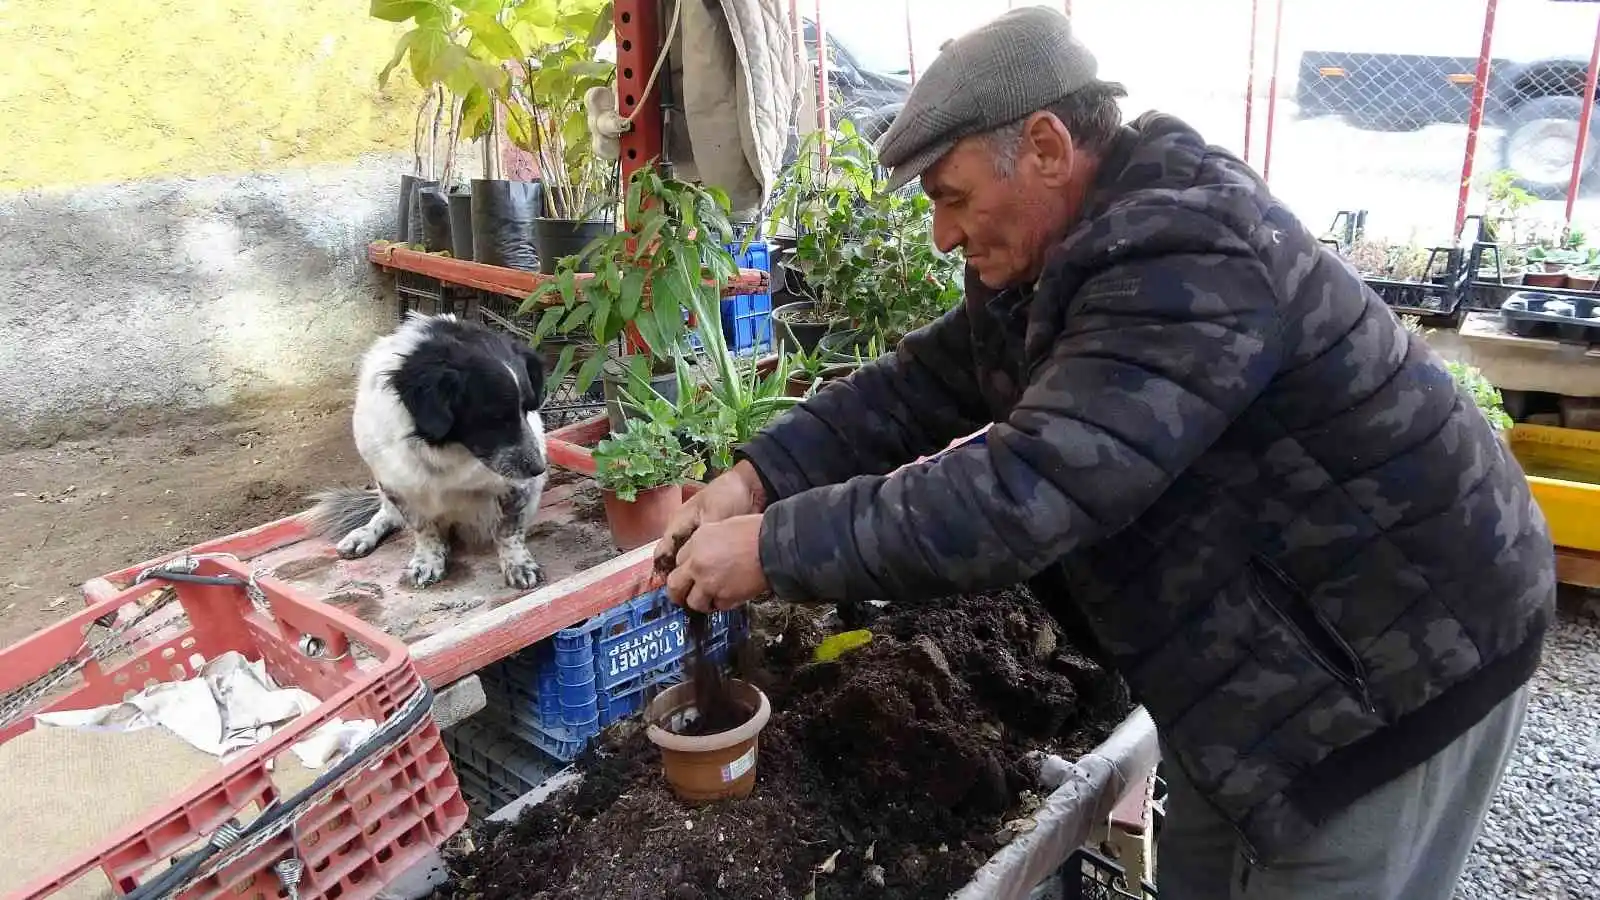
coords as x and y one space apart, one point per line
866 253
549 119
460 54
641 474
647 280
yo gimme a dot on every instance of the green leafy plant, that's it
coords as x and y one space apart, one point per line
1484 394
457 52
548 117
866 252
1505 202
670 260
647 455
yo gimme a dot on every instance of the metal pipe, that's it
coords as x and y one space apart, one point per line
1480 91
822 79
1250 77
911 48
1583 126
1272 94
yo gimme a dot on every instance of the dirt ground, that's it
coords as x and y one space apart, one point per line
89 504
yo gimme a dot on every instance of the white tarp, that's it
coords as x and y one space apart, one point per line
1092 787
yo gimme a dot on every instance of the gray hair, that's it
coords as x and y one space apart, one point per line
1091 115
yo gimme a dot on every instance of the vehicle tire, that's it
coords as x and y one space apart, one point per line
1540 139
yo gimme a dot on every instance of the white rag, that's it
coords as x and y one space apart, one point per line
231 706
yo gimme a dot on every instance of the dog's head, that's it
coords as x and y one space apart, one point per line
469 387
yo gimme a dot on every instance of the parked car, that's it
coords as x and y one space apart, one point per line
1387 75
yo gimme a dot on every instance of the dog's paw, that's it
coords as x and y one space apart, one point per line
356 544
521 574
427 570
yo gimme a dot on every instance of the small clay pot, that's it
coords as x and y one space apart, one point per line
645 519
711 767
1545 279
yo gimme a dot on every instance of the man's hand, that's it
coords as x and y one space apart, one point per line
736 492
719 567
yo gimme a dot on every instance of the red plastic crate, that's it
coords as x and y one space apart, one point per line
355 838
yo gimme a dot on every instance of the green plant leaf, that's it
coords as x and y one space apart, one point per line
428 44
400 48
401 10
494 36
589 371
632 292
602 26
563 363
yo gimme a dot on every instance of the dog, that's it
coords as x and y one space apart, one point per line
447 418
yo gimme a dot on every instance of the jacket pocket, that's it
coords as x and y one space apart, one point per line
1322 642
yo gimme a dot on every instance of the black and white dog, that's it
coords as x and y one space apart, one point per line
447 419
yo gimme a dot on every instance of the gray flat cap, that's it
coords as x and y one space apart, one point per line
1011 67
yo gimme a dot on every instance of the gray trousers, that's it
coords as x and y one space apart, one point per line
1408 839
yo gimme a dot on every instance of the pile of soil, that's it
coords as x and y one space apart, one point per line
893 772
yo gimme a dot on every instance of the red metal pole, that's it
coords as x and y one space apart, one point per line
1272 94
911 48
1250 78
1067 7
1583 126
638 36
1480 90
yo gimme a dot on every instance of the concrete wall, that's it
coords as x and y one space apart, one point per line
187 188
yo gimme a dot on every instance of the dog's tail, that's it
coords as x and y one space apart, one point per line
338 511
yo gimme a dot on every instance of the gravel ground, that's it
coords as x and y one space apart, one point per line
1542 836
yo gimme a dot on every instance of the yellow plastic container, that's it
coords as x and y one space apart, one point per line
1563 467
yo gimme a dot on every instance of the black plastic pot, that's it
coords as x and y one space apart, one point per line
461 225
502 222
800 335
434 203
402 227
557 238
416 229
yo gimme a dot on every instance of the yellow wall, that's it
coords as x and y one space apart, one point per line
95 91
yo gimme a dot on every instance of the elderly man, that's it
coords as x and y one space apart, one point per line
1213 451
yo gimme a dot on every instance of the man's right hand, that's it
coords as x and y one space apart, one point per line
736 492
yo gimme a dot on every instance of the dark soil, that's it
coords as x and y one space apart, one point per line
889 773
714 705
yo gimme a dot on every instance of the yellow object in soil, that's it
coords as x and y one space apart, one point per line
1563 468
836 646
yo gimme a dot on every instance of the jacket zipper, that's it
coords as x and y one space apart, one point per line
1353 674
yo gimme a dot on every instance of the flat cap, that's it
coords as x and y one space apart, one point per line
1012 67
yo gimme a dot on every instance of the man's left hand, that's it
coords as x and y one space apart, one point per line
719 567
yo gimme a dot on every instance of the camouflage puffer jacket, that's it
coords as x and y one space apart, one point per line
1305 548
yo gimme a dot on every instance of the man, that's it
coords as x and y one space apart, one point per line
1212 448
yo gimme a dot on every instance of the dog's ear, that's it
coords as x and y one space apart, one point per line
533 361
431 396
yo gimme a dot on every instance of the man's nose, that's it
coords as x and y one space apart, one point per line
947 235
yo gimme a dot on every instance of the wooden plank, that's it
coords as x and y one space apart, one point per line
511 282
491 636
1577 567
1518 363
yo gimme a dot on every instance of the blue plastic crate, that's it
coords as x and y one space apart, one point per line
747 318
559 693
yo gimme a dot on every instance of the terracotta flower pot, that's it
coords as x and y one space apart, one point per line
1582 282
645 519
1545 279
711 767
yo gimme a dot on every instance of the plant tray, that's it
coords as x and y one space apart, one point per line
1545 314
353 837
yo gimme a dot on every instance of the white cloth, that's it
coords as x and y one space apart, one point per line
739 89
231 706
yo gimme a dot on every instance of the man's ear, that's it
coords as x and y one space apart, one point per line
431 396
1051 145
533 361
